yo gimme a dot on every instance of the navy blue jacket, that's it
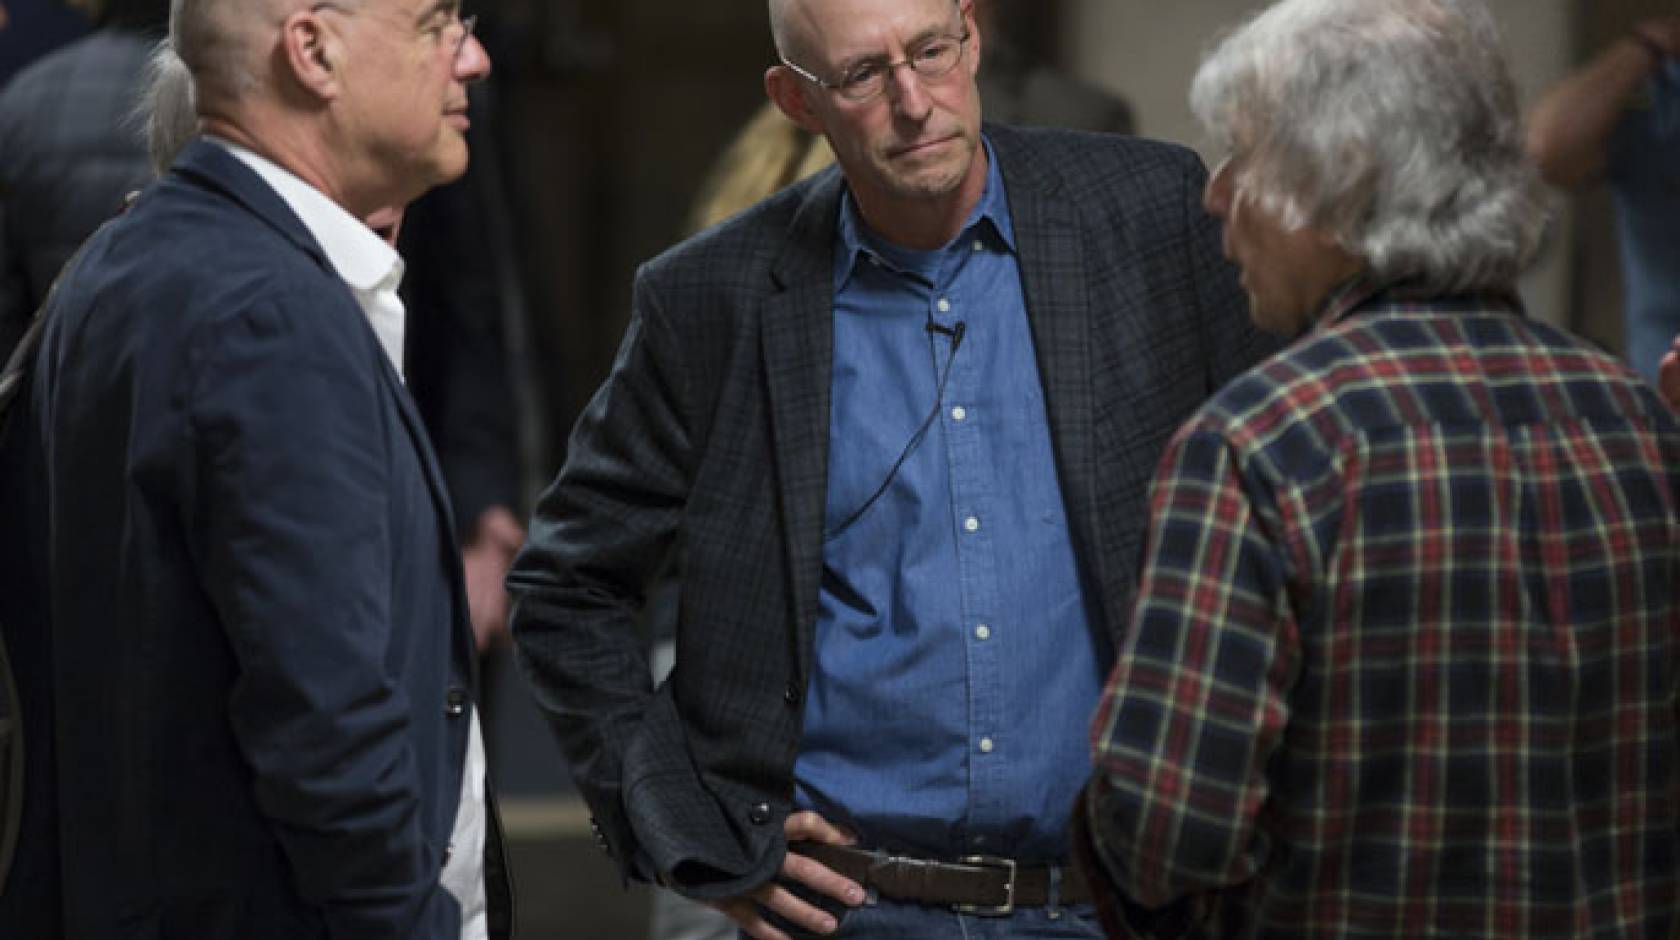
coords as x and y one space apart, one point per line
258 668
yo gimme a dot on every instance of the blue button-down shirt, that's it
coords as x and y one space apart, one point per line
955 667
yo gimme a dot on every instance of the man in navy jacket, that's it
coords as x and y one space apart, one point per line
248 640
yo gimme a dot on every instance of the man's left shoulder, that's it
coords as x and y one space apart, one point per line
1088 162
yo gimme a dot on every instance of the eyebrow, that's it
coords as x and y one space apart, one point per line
437 8
917 41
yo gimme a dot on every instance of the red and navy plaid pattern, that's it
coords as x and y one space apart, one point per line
1403 657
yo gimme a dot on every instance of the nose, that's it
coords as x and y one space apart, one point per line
1216 196
909 99
472 62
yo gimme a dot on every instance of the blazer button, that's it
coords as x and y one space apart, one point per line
759 814
790 695
455 703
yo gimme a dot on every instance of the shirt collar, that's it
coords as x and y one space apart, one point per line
1362 292
988 221
361 258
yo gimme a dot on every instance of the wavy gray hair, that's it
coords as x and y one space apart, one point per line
167 107
1391 127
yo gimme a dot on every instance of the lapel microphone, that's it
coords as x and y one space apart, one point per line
956 335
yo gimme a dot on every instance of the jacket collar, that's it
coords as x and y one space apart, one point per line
212 166
797 346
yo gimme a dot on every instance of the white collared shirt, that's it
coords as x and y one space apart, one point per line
372 270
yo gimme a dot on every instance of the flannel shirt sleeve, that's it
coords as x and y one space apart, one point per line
1197 702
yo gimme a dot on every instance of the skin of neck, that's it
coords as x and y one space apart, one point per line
299 143
929 222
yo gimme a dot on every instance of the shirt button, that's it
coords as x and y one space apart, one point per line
944 305
985 745
983 632
959 413
790 694
455 703
979 245
759 814
971 524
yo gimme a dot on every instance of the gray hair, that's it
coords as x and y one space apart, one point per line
167 107
1392 127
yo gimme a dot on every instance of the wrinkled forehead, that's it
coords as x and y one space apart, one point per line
837 31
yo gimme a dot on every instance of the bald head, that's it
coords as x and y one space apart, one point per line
225 43
790 28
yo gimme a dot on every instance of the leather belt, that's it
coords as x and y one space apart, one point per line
974 884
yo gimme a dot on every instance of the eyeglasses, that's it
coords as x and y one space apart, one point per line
466 24
865 81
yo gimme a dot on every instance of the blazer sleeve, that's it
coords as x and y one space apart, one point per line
599 535
287 468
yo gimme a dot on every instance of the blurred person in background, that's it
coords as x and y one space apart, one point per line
1402 658
71 149
1617 120
33 28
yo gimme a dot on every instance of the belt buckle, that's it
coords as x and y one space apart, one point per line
1006 865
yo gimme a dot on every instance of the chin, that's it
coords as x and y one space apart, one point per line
930 183
450 168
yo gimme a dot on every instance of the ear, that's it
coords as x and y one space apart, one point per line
788 91
971 55
312 53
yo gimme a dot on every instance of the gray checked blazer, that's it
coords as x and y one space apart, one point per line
711 436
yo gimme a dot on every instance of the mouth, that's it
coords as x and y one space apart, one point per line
457 118
920 148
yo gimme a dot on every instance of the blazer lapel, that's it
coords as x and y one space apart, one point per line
1053 280
797 342
440 500
209 164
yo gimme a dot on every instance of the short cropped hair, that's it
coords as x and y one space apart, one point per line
1392 127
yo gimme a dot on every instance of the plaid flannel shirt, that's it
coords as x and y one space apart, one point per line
1403 657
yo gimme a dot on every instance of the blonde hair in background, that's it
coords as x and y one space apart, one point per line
769 153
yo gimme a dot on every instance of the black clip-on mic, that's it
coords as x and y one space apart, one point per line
956 334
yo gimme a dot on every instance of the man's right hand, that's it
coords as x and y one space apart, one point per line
747 910
1668 376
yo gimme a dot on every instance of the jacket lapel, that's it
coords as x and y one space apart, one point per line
1054 282
440 500
797 342
208 164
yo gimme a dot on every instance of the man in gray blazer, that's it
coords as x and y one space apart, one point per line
896 422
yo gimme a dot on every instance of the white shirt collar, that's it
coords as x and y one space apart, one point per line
359 256
370 267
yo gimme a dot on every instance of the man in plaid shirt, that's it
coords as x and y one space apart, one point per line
1402 661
